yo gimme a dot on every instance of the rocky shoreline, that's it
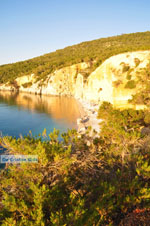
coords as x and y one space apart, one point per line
88 119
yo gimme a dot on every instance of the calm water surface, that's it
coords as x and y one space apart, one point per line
21 113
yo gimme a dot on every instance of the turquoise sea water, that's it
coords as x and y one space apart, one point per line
21 113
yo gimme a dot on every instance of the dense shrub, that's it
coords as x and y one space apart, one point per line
125 68
104 183
129 76
27 84
130 84
117 83
143 94
136 61
147 118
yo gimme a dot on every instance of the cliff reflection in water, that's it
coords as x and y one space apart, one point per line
58 108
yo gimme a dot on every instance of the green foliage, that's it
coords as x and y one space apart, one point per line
129 76
14 84
136 61
143 94
125 68
94 52
27 84
117 83
130 84
147 118
78 184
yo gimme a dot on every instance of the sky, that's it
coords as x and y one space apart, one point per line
30 28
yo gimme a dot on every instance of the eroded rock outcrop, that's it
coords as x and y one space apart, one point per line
106 83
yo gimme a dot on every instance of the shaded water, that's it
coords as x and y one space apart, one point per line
22 112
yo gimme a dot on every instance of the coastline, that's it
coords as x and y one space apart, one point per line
88 112
88 117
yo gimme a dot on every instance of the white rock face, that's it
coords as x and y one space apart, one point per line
101 82
97 88
25 79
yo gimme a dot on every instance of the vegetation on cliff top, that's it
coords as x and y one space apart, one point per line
104 183
142 95
94 52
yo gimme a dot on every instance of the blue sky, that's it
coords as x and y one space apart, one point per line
30 28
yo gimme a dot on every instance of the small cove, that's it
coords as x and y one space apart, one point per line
23 112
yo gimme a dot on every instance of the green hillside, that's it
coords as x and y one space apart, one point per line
92 51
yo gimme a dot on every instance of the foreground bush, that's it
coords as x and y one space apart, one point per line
103 183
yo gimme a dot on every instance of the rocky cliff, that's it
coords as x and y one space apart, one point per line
115 80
